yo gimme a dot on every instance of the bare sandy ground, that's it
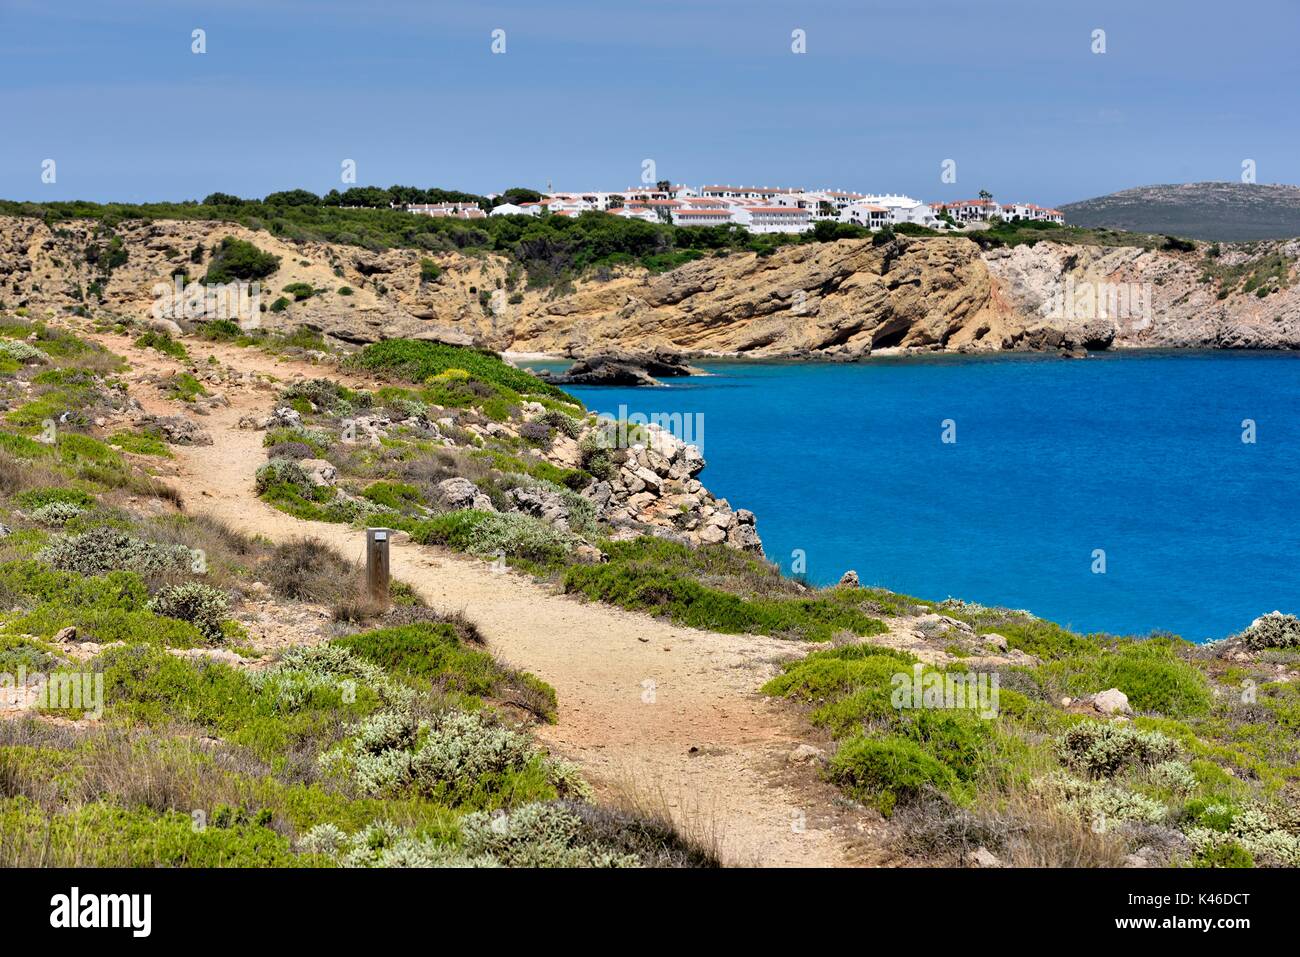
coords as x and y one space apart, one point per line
666 715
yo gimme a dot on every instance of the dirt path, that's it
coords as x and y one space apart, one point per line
647 708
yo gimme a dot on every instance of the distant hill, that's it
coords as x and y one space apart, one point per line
1212 211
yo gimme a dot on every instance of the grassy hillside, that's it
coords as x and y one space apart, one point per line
1225 212
359 737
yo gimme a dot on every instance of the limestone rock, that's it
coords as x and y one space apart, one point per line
320 472
458 493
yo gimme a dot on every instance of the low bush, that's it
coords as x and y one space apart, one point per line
489 534
420 360
307 569
661 591
237 259
203 606
435 654
1103 749
888 771
105 549
164 343
1274 630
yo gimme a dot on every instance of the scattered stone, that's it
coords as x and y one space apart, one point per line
850 578
177 429
806 752
66 635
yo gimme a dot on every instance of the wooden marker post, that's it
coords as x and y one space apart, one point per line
377 565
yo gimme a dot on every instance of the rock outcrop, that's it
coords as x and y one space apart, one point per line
843 299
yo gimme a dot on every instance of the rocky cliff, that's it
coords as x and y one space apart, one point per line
843 299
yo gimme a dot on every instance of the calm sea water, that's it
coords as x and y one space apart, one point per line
1140 455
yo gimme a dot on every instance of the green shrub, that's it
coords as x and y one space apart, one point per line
203 606
1103 749
57 513
185 387
488 534
455 757
105 549
429 271
280 304
218 330
397 496
283 472
164 343
420 360
37 497
887 771
1273 630
1148 671
141 443
434 654
22 352
236 259
299 290
661 591
562 422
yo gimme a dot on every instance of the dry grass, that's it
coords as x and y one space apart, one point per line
307 569
691 835
1021 830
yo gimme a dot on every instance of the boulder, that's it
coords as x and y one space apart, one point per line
745 538
982 857
541 503
1110 701
994 641
601 371
320 472
165 325
850 578
457 493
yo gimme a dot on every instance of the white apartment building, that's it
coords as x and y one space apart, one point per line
643 213
766 193
982 210
452 210
764 209
904 209
702 216
510 209
772 219
866 214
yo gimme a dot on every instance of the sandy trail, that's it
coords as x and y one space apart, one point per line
666 713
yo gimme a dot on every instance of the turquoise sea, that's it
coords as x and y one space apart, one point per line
1139 455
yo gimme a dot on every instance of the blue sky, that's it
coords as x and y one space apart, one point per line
708 89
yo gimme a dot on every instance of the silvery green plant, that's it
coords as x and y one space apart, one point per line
57 513
106 549
203 606
1102 749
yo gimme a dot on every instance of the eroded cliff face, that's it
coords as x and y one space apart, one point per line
838 300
